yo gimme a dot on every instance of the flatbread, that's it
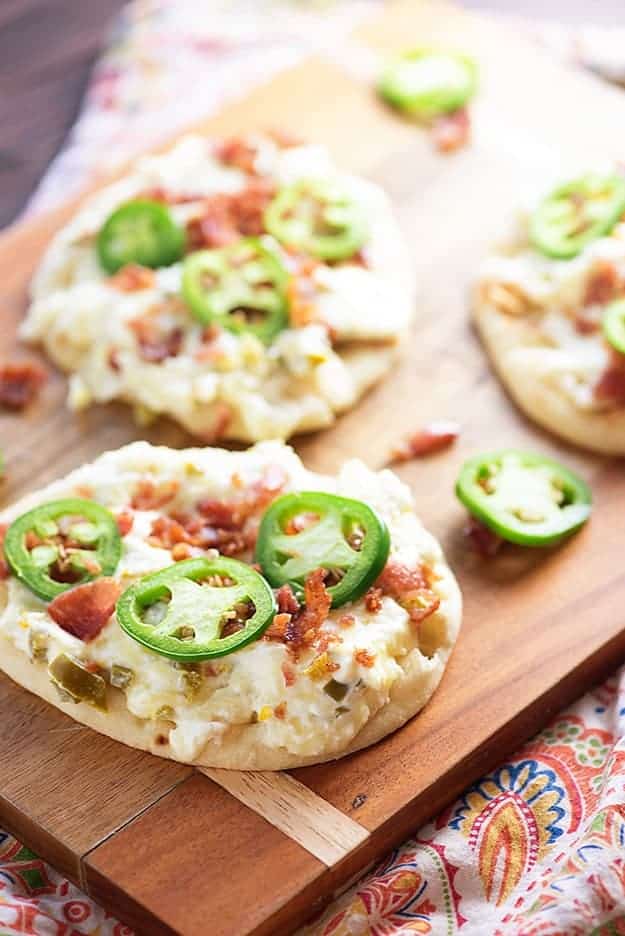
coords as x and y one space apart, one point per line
228 386
408 663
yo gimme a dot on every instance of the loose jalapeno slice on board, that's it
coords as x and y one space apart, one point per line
524 498
426 83
62 544
240 287
318 217
142 232
197 609
577 213
313 530
614 325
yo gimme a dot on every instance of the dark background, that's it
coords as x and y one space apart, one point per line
47 48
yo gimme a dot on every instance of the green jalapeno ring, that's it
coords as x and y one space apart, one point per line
244 277
410 84
614 325
480 473
315 216
290 558
201 609
576 213
142 232
33 571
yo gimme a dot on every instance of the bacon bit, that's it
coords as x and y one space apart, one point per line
84 490
20 383
113 360
181 551
226 218
610 388
432 438
83 611
124 521
5 571
277 628
160 194
239 153
603 284
451 131
280 711
284 138
151 496
155 345
289 673
373 600
347 620
301 290
396 579
588 321
31 540
286 600
420 604
486 543
302 630
132 278
364 658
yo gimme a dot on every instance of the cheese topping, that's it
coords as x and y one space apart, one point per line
365 651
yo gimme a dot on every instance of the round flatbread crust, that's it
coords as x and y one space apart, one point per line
523 364
243 751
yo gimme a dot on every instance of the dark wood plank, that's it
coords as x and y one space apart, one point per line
199 862
47 49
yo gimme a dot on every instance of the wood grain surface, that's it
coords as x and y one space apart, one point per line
539 628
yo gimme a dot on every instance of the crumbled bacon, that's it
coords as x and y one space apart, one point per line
610 388
132 278
280 710
483 540
224 218
451 131
150 495
289 673
239 153
347 620
181 551
160 194
603 284
113 360
20 383
373 600
410 588
286 600
302 630
300 522
4 566
83 611
432 438
587 321
124 520
155 343
364 658
301 289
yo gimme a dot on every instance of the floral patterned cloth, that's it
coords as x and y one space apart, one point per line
538 845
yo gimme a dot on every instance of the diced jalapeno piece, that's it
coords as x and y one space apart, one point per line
577 213
121 676
524 498
142 232
426 83
53 564
240 287
214 607
76 683
336 690
318 217
300 533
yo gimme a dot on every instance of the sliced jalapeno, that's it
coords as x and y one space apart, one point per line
614 325
62 544
313 530
524 498
318 217
142 232
426 83
76 683
577 213
240 287
197 609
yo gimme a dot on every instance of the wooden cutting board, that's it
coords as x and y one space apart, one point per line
173 850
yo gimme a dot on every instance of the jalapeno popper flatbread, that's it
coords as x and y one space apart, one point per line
230 609
549 308
247 289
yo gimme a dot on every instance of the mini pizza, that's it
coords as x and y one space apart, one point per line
248 289
550 309
230 609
